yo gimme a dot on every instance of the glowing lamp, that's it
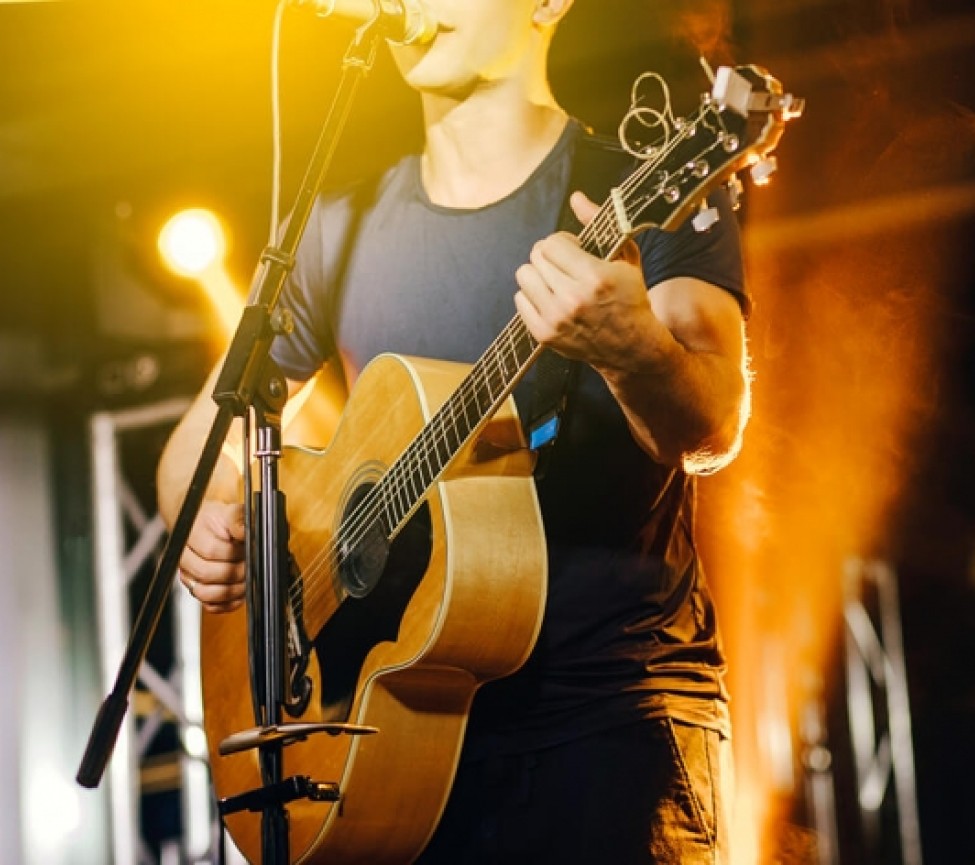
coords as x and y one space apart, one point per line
192 242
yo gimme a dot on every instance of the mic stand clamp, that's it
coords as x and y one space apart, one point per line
274 796
296 787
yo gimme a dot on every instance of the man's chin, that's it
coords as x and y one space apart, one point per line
429 85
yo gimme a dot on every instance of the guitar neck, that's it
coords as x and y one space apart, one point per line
490 381
483 390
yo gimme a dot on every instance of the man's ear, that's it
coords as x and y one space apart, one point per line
551 11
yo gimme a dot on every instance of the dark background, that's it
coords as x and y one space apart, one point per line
112 115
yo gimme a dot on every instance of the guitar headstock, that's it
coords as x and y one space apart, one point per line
738 125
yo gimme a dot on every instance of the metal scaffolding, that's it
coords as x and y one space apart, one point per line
878 706
856 752
128 537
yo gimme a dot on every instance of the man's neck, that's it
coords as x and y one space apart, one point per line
480 149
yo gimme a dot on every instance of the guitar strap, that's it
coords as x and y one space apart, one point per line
598 164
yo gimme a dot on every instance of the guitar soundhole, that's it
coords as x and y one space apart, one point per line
363 545
385 577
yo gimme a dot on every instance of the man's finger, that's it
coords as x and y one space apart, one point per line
583 207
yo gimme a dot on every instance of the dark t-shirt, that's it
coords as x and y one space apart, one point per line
629 627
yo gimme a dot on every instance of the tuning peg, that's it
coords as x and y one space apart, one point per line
735 189
792 106
705 217
763 170
731 90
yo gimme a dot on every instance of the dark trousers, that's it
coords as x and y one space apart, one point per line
646 794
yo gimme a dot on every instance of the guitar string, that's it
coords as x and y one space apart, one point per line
603 229
451 421
415 455
602 226
418 451
298 598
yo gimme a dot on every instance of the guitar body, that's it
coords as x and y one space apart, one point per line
459 602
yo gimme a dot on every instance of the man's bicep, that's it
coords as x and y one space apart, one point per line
701 316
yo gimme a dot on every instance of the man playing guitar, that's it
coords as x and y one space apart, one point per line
611 743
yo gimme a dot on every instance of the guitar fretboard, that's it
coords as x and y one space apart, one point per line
492 378
482 391
489 382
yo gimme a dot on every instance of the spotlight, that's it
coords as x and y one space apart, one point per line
193 245
192 242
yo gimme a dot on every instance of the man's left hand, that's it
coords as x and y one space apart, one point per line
579 305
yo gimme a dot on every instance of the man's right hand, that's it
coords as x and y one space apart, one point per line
212 565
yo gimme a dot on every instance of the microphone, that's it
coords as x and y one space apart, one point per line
406 22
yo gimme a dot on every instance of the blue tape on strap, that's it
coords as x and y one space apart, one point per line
544 433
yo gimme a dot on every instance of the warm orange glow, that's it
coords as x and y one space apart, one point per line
844 350
750 816
224 295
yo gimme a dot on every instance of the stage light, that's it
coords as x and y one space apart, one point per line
192 242
193 245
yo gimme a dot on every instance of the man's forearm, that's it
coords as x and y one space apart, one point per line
181 455
685 409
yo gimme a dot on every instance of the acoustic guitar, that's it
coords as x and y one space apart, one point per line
417 546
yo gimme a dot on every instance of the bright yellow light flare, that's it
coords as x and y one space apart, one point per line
193 242
187 238
225 297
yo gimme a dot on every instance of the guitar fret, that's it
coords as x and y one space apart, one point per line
502 363
391 518
442 445
505 373
409 488
420 481
402 499
454 420
484 396
514 353
389 502
494 385
415 491
469 422
427 468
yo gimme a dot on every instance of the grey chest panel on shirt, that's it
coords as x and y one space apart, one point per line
438 284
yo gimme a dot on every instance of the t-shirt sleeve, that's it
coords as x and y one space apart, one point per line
306 293
713 255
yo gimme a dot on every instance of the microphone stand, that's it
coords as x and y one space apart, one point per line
250 381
